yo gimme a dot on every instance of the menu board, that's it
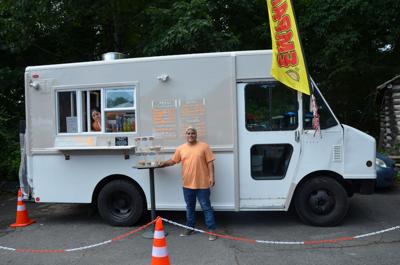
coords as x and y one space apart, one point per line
164 119
72 124
193 114
121 141
169 116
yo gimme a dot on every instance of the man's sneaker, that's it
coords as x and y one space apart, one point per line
187 232
212 237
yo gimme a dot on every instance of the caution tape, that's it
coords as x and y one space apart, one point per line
240 239
210 233
80 248
312 242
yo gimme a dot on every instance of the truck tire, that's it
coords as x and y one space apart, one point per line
120 203
321 201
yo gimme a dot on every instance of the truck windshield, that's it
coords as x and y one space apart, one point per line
326 118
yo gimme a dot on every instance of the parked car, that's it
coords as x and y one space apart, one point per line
385 171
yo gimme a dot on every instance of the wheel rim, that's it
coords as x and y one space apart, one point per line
120 204
321 202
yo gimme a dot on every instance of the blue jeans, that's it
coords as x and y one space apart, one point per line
203 196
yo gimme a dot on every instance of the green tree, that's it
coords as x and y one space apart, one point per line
53 31
188 26
11 111
351 46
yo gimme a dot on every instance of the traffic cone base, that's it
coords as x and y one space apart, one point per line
24 224
160 254
22 218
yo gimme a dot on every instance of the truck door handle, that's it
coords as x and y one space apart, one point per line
297 136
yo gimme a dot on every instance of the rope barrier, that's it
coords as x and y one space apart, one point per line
378 232
210 233
240 239
314 242
80 248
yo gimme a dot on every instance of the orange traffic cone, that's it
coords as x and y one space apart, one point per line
160 251
22 214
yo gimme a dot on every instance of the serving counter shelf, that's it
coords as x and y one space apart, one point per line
69 150
77 148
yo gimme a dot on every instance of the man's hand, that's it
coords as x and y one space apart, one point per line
212 182
210 166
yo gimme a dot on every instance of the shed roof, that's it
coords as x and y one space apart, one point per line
395 80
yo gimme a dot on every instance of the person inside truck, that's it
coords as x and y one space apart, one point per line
96 120
198 177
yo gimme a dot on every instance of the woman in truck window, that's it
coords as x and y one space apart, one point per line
96 124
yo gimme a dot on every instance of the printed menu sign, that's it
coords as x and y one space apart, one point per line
164 119
121 141
193 114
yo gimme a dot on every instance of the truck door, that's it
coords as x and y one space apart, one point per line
269 144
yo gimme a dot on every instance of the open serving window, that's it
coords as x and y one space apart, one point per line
96 118
104 110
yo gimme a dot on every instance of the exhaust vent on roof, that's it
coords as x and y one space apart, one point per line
109 56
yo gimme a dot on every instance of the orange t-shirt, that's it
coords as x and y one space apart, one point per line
195 159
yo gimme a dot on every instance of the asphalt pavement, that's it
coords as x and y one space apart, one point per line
61 227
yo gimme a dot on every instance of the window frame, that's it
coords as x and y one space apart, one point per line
57 107
270 100
271 177
104 109
79 108
119 109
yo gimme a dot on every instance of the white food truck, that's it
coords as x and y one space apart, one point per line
268 156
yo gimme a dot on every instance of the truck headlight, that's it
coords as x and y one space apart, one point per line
380 163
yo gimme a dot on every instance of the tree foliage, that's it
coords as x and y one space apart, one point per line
204 26
351 46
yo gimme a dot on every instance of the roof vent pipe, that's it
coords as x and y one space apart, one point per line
110 56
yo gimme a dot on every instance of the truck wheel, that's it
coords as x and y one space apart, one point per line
321 201
120 203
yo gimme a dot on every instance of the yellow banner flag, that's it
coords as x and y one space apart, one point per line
288 65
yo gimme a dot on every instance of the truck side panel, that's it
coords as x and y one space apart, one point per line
74 180
208 79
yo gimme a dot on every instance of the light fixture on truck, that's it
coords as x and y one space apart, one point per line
34 85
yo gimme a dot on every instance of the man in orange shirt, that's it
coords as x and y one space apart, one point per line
197 177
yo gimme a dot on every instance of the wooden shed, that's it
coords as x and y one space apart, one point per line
388 99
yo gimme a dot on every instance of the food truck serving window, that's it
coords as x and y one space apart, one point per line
97 110
120 110
67 112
